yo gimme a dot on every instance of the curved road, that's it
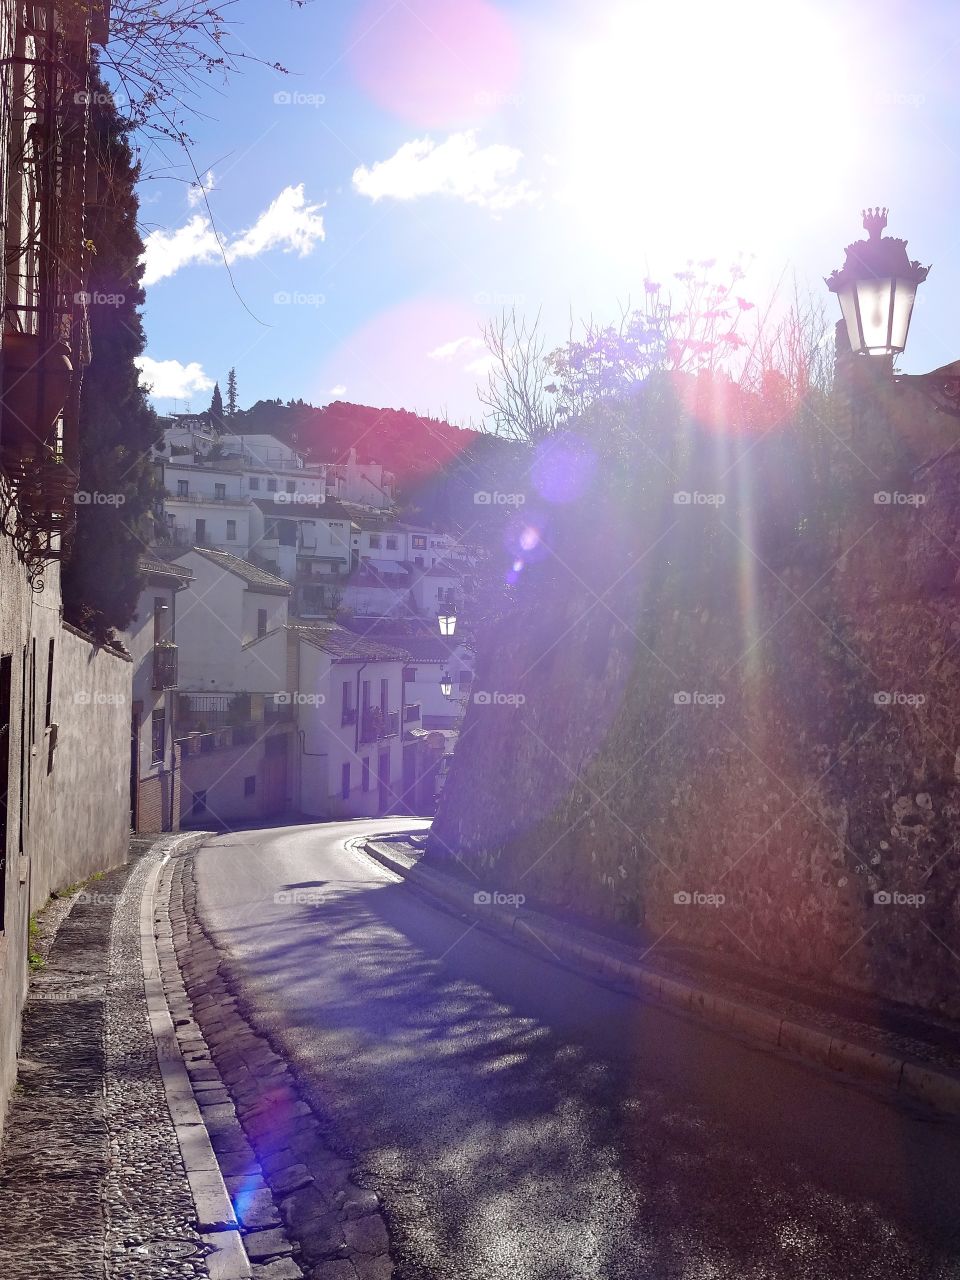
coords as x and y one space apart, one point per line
521 1121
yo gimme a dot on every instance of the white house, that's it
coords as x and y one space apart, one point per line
205 505
368 484
151 642
351 714
236 738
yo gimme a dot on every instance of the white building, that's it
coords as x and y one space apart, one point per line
205 506
368 484
151 642
236 739
351 713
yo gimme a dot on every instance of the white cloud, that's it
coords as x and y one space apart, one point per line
459 346
338 390
165 252
289 224
481 366
457 167
171 380
195 191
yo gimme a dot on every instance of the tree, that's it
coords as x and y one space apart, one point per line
232 393
161 51
215 412
118 488
699 334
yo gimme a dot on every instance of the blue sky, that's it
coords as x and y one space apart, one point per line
428 162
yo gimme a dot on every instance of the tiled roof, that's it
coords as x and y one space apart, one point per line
346 646
255 578
161 569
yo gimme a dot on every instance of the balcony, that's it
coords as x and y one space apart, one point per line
411 713
375 725
348 716
164 665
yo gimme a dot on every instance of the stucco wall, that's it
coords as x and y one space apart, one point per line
69 806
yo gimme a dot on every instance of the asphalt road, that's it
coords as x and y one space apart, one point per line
521 1121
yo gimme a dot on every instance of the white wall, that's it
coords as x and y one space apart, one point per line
216 616
328 745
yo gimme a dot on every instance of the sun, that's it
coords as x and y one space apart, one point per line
703 127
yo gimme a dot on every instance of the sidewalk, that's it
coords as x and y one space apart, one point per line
903 1051
91 1181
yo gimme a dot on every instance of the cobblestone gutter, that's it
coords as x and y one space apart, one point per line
301 1207
91 1181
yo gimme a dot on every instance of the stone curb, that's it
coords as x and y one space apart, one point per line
907 1078
217 1221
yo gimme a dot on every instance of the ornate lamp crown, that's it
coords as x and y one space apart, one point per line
874 221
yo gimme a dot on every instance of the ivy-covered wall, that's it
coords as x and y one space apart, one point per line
768 766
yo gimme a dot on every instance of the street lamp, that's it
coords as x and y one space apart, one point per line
446 684
877 287
448 623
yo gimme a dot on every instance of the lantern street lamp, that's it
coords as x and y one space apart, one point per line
446 684
448 623
877 287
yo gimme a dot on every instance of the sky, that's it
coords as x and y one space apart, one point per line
427 164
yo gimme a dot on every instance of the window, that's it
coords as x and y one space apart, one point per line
391 542
199 804
158 737
366 696
48 705
201 532
347 713
183 488
418 560
220 492
409 674
253 484
291 486
271 486
33 692
6 685
384 697
261 623
250 785
419 542
374 542
365 776
345 782
231 530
